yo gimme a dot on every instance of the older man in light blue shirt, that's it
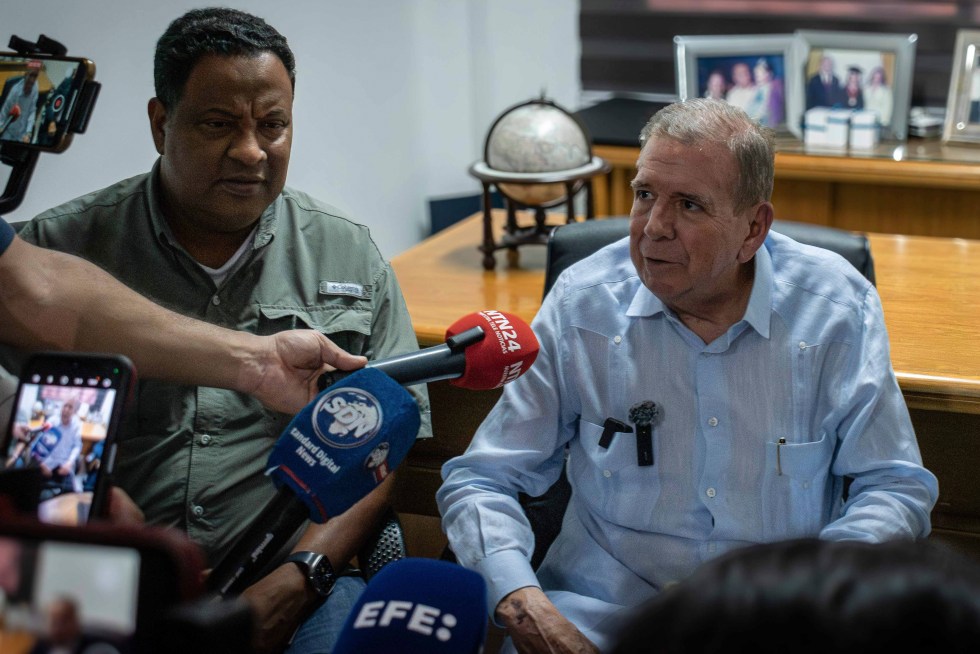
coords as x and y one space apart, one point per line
768 361
20 106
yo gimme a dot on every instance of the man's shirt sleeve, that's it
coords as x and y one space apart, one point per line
6 235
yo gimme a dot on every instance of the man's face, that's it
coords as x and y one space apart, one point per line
741 75
225 145
687 242
29 80
827 65
716 85
67 411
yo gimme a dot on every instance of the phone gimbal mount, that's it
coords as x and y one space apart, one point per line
22 159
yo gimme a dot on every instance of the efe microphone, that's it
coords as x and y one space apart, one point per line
418 605
483 350
334 452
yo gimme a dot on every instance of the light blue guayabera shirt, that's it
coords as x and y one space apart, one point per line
808 363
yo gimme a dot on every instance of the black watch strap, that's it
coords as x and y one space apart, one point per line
317 569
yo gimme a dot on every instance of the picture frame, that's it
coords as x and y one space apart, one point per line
859 70
962 124
733 68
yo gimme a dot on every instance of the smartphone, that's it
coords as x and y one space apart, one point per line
64 426
111 587
43 99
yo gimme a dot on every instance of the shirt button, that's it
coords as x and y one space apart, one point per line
206 439
606 474
713 422
710 492
802 345
617 340
215 300
197 510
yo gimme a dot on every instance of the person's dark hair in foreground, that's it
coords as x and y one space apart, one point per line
817 596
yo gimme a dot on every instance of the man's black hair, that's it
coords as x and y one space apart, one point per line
214 30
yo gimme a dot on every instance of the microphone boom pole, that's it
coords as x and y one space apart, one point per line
448 358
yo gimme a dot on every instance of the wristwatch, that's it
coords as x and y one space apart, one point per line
319 573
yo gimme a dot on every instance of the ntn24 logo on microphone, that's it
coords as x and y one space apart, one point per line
503 329
347 417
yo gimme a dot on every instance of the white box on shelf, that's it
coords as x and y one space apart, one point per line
815 126
838 125
865 130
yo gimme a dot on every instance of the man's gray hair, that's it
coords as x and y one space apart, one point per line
700 120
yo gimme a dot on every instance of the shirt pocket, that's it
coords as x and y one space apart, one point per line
796 483
609 481
348 327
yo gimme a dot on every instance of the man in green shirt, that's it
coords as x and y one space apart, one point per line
212 232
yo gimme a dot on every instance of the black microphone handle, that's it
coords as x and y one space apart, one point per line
273 528
419 367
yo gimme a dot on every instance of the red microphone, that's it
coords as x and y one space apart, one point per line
12 115
483 350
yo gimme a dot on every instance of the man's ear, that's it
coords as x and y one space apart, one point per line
158 123
759 224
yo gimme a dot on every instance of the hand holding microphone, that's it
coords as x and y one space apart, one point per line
344 443
13 115
483 350
333 453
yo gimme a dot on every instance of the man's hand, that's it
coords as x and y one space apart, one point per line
536 626
122 510
280 602
22 433
285 370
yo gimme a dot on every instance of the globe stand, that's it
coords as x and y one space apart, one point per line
515 234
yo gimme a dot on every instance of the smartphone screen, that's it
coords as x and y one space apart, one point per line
39 94
58 592
63 424
100 589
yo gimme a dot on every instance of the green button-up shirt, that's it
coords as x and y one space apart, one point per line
194 457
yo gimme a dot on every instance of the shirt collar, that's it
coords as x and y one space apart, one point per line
759 310
264 231
757 313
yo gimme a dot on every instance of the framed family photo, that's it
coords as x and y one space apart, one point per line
858 70
752 72
963 106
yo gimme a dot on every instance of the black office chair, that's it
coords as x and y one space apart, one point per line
386 545
569 243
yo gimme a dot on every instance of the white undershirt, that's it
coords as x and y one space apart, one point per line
218 275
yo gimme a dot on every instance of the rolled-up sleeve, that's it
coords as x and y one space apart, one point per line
518 448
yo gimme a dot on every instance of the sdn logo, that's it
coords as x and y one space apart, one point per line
347 417
420 618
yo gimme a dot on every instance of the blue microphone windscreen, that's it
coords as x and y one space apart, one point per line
345 442
418 605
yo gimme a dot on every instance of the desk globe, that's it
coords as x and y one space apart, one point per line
539 156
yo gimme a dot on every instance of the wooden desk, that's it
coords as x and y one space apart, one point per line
917 188
929 288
